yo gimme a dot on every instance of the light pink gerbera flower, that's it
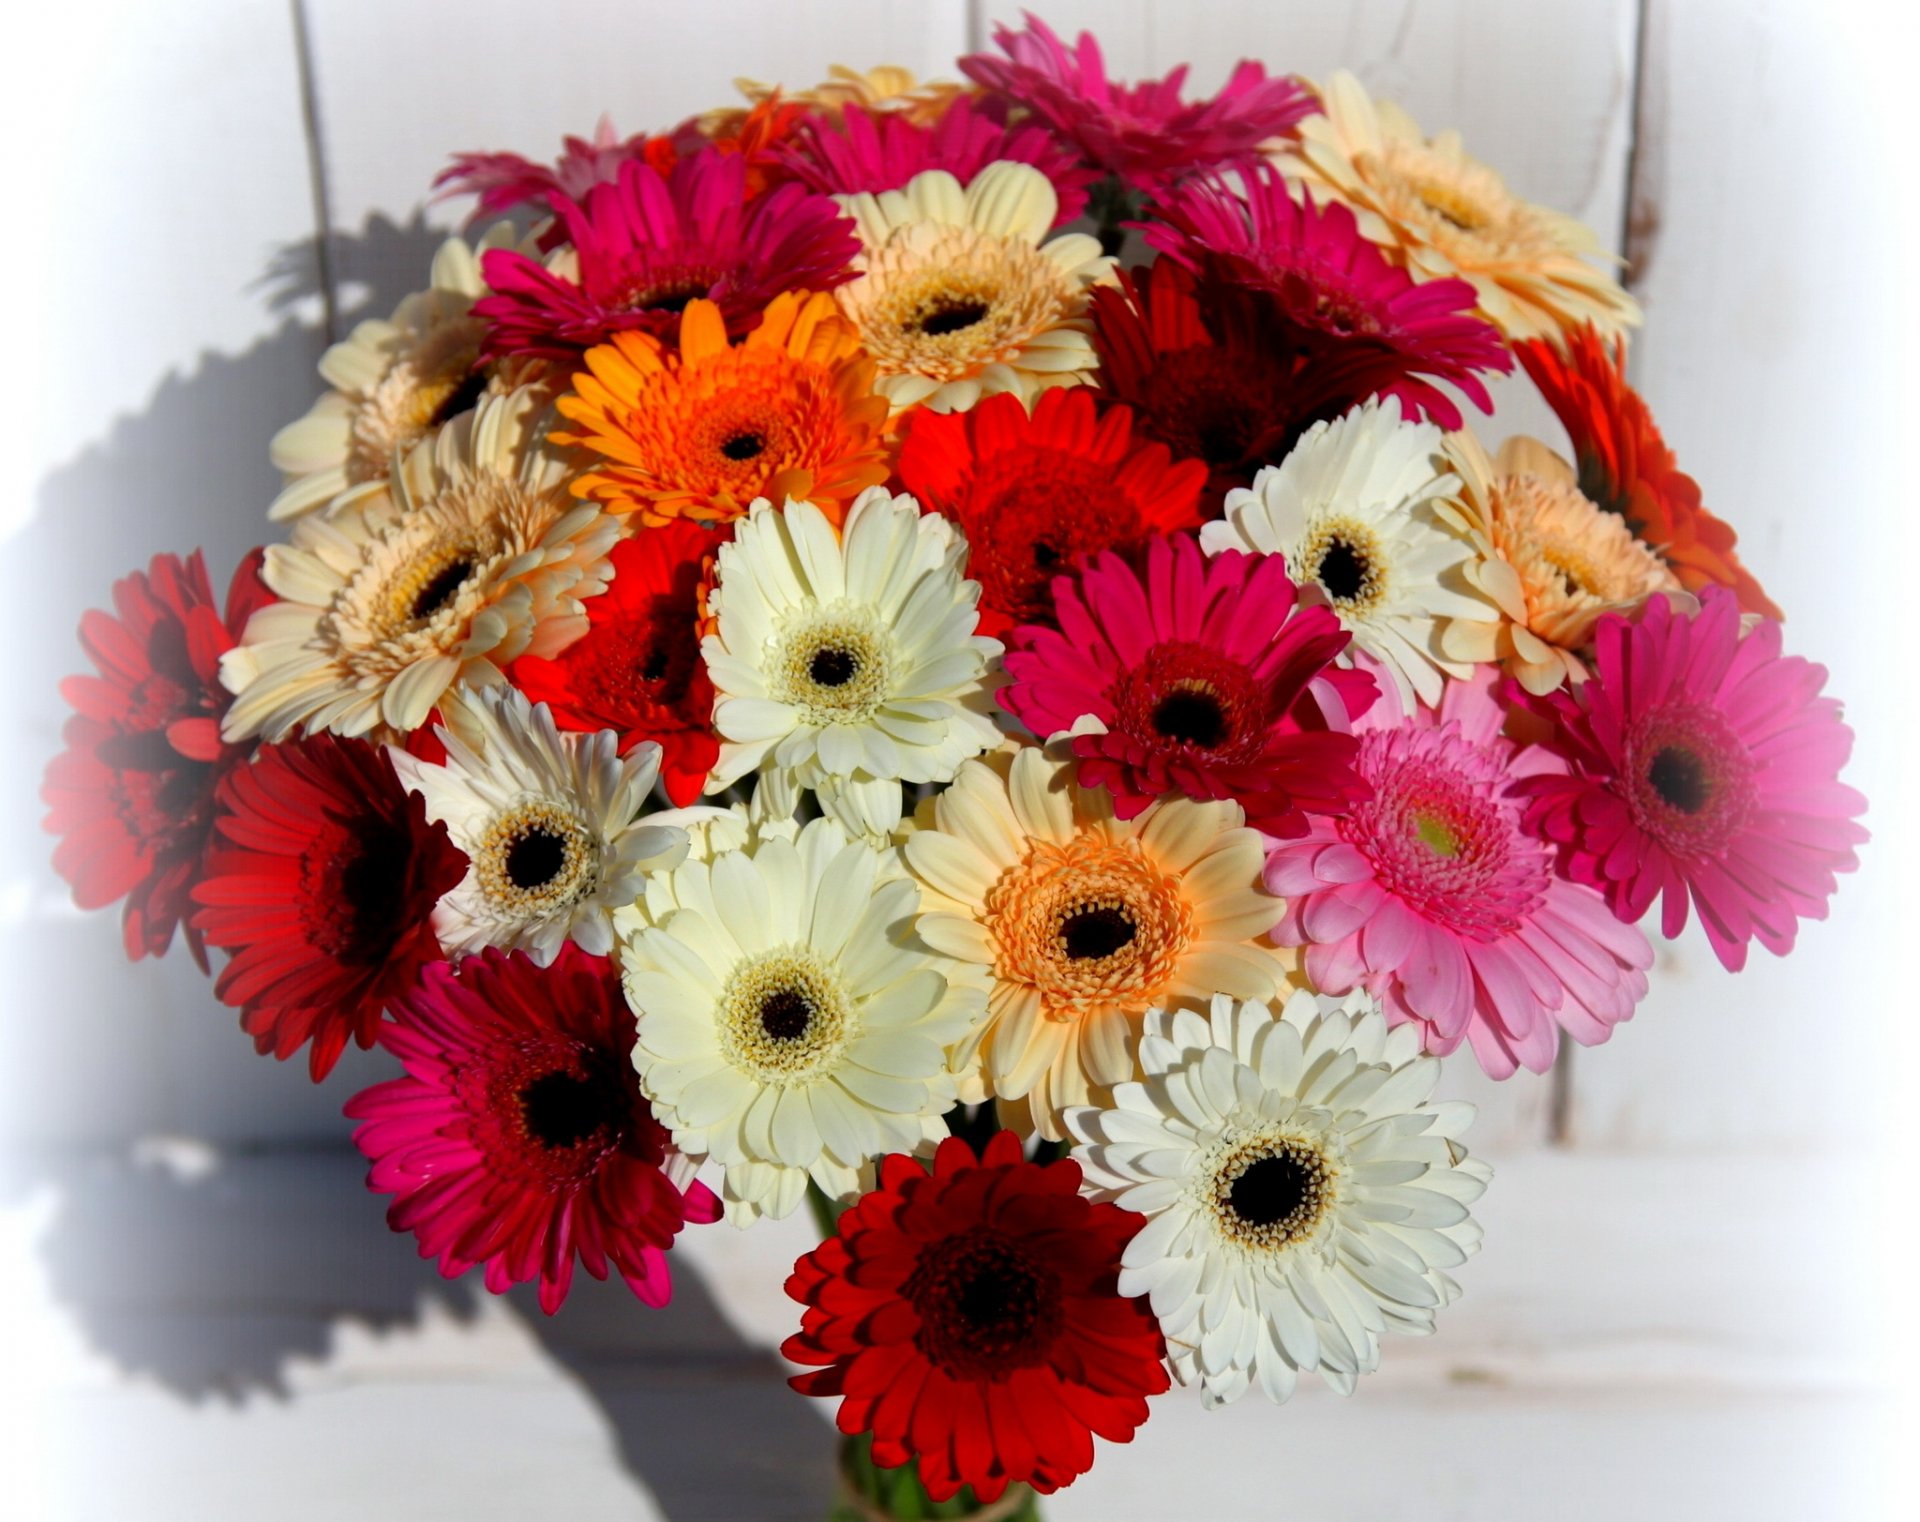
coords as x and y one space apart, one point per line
1145 133
1705 769
1433 896
503 181
1201 677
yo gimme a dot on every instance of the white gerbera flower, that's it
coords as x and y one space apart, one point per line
552 824
958 297
482 556
791 1025
848 656
1301 1194
392 382
1359 508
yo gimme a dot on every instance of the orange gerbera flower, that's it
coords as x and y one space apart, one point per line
702 431
1626 467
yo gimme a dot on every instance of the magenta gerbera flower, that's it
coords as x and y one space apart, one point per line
1202 677
647 244
1705 769
874 151
1434 897
1145 133
1323 276
519 1137
503 181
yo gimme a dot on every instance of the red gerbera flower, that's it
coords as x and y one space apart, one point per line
647 244
503 181
1706 770
1325 278
1204 676
1034 492
881 150
519 1137
970 1319
132 794
1626 467
637 670
321 883
1144 133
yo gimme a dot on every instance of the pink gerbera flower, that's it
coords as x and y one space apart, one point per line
1145 133
1434 897
1705 768
518 1137
881 150
1323 276
503 181
1204 677
647 244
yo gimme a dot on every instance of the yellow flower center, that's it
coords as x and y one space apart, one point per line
533 858
784 1016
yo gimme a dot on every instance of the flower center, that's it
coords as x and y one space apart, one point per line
1273 1190
1689 779
354 887
949 315
1436 834
563 1109
1089 932
988 1306
462 398
535 858
743 446
784 1016
668 291
1344 557
1191 716
834 664
1192 695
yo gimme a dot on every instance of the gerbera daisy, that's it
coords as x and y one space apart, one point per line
554 826
1033 492
637 670
1626 467
851 657
701 430
321 883
518 1137
1434 897
1198 677
1326 278
383 612
1144 133
1084 921
132 794
393 383
888 88
1357 510
1551 562
957 296
1705 770
874 150
968 1319
791 1025
1302 1195
639 249
1444 215
503 181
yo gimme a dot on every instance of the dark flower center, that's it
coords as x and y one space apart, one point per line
987 1306
832 667
1342 571
669 295
785 1014
440 589
1094 931
1680 778
355 891
952 317
743 446
535 858
562 1109
1270 1190
1273 1191
463 398
1191 716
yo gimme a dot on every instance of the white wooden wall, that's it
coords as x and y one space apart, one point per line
174 300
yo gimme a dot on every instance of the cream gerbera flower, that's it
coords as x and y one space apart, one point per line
958 298
483 555
1552 562
790 1023
852 656
1302 1195
1443 214
886 88
553 825
393 382
1359 508
1085 920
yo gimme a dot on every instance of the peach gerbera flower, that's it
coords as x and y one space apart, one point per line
887 88
1551 561
702 431
1085 921
1445 215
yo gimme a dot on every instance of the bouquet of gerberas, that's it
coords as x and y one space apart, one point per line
1142 729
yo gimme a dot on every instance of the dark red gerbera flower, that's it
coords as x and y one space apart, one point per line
647 244
321 882
637 670
132 794
1206 677
1034 492
969 1319
1626 467
519 1137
